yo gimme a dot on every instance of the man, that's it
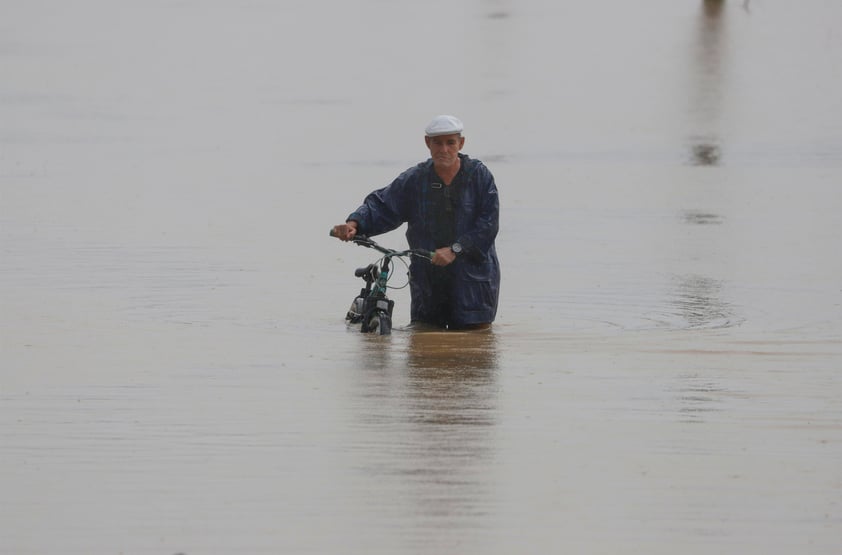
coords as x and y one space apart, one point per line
450 206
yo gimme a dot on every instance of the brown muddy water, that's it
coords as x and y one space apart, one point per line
664 374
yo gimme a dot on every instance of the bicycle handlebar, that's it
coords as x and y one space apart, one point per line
365 241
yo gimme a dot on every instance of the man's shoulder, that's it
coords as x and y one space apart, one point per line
473 166
419 170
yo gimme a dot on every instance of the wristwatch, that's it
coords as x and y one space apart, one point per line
456 248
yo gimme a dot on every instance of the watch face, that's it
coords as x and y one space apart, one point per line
456 247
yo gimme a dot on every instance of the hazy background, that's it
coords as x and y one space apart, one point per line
175 372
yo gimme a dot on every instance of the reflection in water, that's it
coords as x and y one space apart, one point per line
494 67
697 396
452 376
451 404
705 152
713 8
461 352
698 217
706 94
698 302
498 15
429 423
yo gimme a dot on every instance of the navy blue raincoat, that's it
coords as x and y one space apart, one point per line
473 279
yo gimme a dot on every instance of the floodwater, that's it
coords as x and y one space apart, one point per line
665 372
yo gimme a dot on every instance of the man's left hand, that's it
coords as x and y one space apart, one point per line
443 256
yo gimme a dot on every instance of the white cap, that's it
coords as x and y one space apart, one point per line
443 125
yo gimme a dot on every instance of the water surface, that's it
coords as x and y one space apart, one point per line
175 373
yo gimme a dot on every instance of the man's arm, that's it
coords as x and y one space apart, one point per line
484 230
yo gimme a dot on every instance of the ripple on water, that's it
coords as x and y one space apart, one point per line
683 302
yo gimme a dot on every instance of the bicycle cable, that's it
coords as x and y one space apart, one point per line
391 273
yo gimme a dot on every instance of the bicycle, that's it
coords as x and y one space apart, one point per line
372 308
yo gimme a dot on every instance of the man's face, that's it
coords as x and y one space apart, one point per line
444 149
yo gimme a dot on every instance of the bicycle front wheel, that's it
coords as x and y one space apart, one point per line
380 323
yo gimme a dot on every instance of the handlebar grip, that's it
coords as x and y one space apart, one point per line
331 233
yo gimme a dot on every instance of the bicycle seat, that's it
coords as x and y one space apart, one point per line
368 271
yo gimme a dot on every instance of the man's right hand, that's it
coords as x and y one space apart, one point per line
346 231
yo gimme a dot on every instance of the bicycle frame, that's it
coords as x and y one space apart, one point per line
372 308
